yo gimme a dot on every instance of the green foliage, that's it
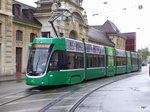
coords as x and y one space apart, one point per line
145 53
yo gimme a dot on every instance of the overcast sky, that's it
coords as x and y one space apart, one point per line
125 14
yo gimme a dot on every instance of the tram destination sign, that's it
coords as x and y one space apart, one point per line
41 45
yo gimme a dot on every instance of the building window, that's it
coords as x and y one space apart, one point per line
61 34
19 35
18 11
72 35
0 57
0 29
0 4
30 15
32 36
46 34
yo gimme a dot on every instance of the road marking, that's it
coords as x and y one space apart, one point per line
29 101
15 96
53 93
26 110
70 98
60 107
37 109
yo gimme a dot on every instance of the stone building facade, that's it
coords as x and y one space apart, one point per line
20 23
73 26
113 34
17 30
6 31
25 28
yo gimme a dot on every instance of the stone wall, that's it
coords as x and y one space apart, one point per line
118 41
6 40
27 30
76 22
8 43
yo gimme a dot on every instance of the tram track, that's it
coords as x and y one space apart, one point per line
65 92
60 98
81 100
76 105
28 92
32 92
73 108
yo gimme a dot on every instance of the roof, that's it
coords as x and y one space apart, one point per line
130 34
24 17
27 22
99 36
110 28
98 27
25 6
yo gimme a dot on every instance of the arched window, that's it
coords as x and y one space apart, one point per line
19 35
32 36
72 35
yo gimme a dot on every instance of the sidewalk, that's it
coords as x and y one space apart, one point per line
15 77
128 95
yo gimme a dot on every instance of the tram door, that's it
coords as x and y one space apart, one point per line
18 59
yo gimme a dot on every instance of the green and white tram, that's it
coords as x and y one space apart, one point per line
61 61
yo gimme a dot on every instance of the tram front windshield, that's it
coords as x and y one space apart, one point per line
37 61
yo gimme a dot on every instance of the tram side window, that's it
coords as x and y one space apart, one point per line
58 61
120 61
102 61
134 61
75 60
95 60
53 62
62 60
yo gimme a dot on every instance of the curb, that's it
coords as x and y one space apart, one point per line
15 77
12 80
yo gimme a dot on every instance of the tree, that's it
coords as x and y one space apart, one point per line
145 53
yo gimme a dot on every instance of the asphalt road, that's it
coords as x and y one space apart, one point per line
123 93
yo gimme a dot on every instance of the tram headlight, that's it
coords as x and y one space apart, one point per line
51 76
40 74
42 81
